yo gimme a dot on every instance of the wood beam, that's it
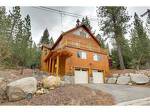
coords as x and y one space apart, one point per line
53 62
50 65
57 68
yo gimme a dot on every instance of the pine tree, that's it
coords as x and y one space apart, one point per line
4 42
86 22
140 43
101 41
113 22
45 37
51 41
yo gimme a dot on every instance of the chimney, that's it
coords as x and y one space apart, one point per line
78 22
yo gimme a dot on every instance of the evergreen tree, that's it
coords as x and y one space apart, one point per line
45 37
101 41
86 22
4 42
51 41
140 43
113 22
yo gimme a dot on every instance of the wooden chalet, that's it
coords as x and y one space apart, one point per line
76 53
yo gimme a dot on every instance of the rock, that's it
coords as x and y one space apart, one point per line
130 83
111 80
115 75
28 84
51 82
15 93
3 86
123 80
62 83
139 78
41 91
126 74
70 79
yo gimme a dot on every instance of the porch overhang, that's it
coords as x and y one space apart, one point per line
58 52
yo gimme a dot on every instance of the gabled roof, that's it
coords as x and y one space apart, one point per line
64 33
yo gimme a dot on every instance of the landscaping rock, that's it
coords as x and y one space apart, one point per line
28 84
115 75
130 83
51 82
15 93
123 80
139 78
70 79
3 85
62 83
41 91
111 80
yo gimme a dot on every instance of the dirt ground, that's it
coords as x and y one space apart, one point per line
14 74
114 71
69 95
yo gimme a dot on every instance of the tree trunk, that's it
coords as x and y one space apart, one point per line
22 68
121 62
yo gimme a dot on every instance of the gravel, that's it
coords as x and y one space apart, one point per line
69 95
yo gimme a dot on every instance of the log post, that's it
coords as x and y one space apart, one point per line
53 66
57 68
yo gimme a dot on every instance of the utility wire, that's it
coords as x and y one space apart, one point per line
64 12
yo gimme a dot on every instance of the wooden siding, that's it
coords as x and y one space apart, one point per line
73 43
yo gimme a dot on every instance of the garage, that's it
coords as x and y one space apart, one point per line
97 76
81 76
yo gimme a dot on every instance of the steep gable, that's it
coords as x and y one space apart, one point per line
75 30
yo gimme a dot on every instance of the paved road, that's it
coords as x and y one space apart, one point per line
123 93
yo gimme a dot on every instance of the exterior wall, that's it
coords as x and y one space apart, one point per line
89 63
89 45
44 53
72 38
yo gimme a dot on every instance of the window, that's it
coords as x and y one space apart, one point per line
82 33
96 57
81 54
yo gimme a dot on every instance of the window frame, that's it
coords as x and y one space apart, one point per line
81 54
96 57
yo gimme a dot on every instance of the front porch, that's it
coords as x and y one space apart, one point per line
56 61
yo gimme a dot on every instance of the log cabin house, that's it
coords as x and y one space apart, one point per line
76 53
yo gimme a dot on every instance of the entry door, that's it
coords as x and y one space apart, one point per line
81 77
98 77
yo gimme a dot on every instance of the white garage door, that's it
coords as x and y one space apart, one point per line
97 77
81 77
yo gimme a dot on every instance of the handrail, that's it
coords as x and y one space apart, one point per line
81 45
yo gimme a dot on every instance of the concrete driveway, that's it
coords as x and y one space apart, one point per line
122 93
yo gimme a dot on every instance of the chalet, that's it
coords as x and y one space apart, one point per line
76 53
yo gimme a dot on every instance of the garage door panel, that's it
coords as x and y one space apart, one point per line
98 77
81 77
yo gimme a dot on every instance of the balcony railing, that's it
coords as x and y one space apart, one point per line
80 45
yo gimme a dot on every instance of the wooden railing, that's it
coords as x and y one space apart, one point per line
80 45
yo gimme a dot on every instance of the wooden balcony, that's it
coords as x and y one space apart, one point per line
88 46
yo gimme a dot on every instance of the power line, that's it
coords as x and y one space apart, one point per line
64 13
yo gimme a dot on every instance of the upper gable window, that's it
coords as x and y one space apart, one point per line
82 33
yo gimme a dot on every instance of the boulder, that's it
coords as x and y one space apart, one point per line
3 85
70 79
28 84
123 80
115 75
112 80
15 93
62 83
51 82
139 78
